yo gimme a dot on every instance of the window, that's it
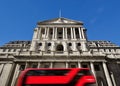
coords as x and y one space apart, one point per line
73 66
79 44
4 50
59 47
70 44
22 67
84 66
43 30
48 51
70 51
9 50
40 44
97 67
77 32
68 33
60 33
47 72
46 66
49 44
14 50
34 66
51 31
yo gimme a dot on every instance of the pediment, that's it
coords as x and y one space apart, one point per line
60 21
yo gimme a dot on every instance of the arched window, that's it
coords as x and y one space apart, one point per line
59 48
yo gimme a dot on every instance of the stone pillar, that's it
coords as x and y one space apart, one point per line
71 33
45 32
15 75
93 71
113 79
79 65
63 33
107 74
92 68
53 37
4 77
83 35
66 65
1 68
74 33
39 34
51 65
47 37
56 33
80 33
38 65
34 42
35 33
26 65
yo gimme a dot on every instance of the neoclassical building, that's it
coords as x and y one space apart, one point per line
61 43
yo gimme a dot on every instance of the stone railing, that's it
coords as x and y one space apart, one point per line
59 53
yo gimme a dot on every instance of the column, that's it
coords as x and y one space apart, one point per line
63 33
71 33
26 65
80 33
47 37
53 36
66 65
92 68
15 75
107 74
1 68
45 32
74 33
35 33
79 65
39 34
83 36
38 65
113 79
56 33
93 71
51 65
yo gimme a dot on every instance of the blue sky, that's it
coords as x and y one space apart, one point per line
18 18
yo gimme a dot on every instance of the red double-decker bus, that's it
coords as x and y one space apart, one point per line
56 77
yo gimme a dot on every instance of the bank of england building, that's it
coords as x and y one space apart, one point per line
61 43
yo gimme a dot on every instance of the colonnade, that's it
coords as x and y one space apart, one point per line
79 65
65 34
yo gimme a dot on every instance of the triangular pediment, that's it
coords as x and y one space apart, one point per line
60 21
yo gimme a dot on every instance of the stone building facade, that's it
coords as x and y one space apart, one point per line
61 43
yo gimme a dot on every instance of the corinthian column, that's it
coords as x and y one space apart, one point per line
71 33
83 35
74 33
80 33
66 64
47 37
79 65
63 33
53 36
107 74
56 33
